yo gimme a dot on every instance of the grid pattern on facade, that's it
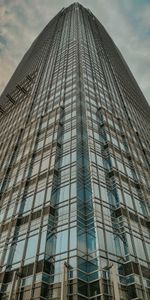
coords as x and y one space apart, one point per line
75 191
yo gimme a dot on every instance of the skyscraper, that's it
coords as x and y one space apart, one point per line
75 152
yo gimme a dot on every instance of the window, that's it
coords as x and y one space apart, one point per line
31 247
43 241
45 163
73 238
65 160
139 248
96 190
128 200
110 242
101 238
64 193
39 198
61 241
10 212
17 251
67 135
73 190
104 194
26 204
48 194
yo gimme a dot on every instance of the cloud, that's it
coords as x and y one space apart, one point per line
126 21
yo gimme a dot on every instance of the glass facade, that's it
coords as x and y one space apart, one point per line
75 153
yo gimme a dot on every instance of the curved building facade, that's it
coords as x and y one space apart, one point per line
75 153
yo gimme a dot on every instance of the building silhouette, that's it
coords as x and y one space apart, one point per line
75 152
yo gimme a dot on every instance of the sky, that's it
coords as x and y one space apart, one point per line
127 22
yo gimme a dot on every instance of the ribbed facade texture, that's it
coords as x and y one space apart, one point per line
75 177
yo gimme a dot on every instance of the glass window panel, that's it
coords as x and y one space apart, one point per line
104 194
101 238
110 242
73 238
139 248
113 197
129 242
43 241
65 160
18 251
128 200
64 193
45 163
74 156
48 194
39 198
62 241
26 204
48 139
31 247
2 214
81 240
96 190
73 190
